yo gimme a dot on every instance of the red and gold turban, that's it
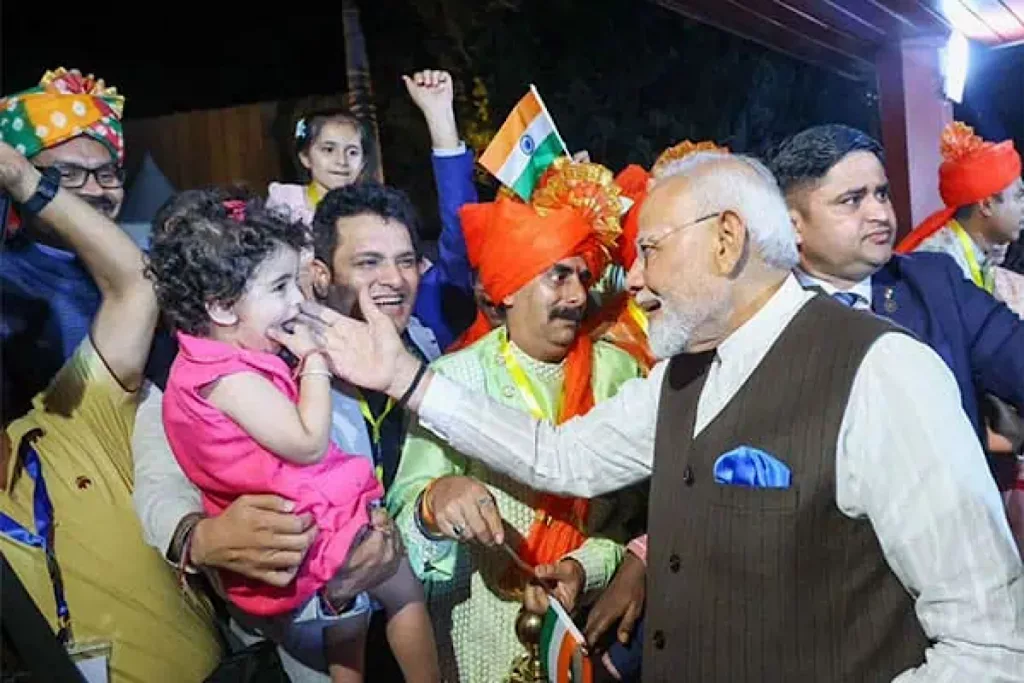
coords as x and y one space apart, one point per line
63 106
972 170
680 151
633 180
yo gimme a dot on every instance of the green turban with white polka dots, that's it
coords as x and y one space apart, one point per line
63 106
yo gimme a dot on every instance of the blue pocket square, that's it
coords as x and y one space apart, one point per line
747 466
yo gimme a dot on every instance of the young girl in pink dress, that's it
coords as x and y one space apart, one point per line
240 421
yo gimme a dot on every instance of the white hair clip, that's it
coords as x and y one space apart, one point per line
300 129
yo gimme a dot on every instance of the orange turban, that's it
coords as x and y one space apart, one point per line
633 180
512 243
972 170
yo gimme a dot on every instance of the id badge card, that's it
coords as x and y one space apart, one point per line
92 658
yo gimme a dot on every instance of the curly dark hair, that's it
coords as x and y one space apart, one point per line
206 245
187 201
808 156
369 197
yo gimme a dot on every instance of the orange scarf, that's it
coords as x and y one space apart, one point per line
558 523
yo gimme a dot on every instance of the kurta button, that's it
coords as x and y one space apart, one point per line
674 563
508 392
659 640
688 476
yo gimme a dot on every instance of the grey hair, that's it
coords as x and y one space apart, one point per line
748 188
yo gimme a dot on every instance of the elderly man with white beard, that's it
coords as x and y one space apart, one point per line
817 510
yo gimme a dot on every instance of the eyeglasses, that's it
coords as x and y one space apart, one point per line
645 246
72 176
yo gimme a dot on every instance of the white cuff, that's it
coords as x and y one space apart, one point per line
451 152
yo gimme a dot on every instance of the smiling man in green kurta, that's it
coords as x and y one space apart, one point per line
537 265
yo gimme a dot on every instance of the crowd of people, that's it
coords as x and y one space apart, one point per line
272 443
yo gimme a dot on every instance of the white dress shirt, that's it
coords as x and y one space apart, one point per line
862 289
907 460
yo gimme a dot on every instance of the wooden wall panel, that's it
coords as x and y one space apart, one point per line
213 147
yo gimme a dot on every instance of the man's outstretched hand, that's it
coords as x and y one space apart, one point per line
366 353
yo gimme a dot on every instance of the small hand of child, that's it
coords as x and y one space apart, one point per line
299 340
381 520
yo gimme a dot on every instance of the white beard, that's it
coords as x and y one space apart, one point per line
672 331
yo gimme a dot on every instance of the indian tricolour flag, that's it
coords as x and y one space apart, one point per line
560 643
525 146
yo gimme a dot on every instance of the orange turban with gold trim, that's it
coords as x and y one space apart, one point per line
511 243
972 169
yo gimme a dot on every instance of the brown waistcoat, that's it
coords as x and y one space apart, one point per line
760 585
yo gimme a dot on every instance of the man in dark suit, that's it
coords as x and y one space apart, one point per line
838 194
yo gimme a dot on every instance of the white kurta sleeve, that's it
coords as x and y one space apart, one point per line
910 462
607 449
163 494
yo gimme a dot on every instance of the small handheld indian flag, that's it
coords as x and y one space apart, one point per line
561 655
525 146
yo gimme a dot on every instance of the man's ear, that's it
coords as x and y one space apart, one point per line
321 279
221 315
730 242
798 225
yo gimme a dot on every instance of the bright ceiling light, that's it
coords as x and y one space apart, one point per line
955 62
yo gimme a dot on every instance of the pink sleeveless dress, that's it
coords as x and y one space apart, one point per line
224 462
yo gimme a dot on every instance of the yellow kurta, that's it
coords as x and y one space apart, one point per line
118 589
473 624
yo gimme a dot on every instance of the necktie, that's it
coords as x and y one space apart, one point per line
848 299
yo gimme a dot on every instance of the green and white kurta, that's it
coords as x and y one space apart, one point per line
473 624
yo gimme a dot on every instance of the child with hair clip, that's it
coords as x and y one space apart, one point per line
332 146
240 421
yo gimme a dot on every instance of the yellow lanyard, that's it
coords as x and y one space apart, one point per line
375 422
313 195
519 377
637 314
375 425
972 263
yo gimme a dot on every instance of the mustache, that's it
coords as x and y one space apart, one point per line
573 315
101 204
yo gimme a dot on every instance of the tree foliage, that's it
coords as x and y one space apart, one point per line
622 78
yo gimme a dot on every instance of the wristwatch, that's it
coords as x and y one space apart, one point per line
49 183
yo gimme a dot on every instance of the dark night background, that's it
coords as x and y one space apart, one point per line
622 78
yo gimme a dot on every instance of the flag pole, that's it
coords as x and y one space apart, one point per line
536 93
